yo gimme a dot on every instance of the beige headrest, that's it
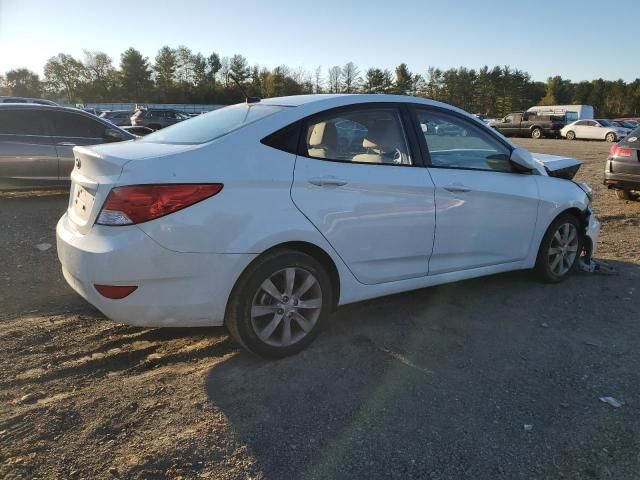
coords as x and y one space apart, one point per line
383 136
323 135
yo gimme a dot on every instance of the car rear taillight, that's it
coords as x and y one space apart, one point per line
140 203
617 151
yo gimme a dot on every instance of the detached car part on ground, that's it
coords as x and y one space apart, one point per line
622 171
266 216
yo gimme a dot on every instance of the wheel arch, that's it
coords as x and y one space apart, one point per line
582 217
311 249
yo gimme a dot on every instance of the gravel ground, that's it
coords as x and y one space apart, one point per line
495 378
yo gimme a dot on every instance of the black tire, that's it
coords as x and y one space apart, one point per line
544 262
249 288
611 137
571 135
536 133
627 195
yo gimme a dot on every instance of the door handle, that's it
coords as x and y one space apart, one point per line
327 182
457 188
66 144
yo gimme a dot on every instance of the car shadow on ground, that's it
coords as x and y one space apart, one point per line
440 382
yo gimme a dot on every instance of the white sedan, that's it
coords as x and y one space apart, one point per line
594 130
266 216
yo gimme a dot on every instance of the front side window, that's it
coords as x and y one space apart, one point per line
212 125
66 124
358 135
457 143
21 122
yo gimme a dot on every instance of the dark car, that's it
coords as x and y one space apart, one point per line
120 118
36 142
529 124
625 123
156 119
40 101
622 172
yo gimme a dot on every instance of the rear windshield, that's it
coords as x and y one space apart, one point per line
209 126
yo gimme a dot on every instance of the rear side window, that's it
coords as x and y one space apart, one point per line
358 135
66 124
21 122
212 125
285 139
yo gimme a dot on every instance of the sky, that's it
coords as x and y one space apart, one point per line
577 39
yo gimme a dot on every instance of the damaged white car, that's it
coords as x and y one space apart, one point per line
265 216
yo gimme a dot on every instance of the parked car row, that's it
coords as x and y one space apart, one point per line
537 125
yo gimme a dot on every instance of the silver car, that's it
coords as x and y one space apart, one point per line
36 143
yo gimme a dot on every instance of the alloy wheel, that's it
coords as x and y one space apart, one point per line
563 249
286 307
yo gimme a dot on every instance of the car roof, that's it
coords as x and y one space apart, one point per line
327 101
19 99
37 106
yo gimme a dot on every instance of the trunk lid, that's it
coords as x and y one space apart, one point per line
558 166
97 170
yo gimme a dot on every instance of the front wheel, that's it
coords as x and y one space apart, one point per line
611 137
571 135
536 133
560 249
279 304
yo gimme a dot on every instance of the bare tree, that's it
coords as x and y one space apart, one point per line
335 79
317 80
351 77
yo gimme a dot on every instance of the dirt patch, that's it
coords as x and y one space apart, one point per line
437 383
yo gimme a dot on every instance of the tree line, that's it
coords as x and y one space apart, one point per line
178 75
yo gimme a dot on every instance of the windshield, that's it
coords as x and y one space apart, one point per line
212 125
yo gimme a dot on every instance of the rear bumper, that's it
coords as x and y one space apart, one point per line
174 289
622 175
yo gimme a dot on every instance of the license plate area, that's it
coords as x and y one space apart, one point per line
82 202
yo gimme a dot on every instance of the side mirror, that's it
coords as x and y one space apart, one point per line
113 135
523 158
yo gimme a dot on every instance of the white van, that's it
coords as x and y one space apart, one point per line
570 112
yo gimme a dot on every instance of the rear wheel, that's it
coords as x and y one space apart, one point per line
536 133
627 195
279 304
560 249
571 135
611 137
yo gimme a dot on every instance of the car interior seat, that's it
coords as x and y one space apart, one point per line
323 140
383 142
